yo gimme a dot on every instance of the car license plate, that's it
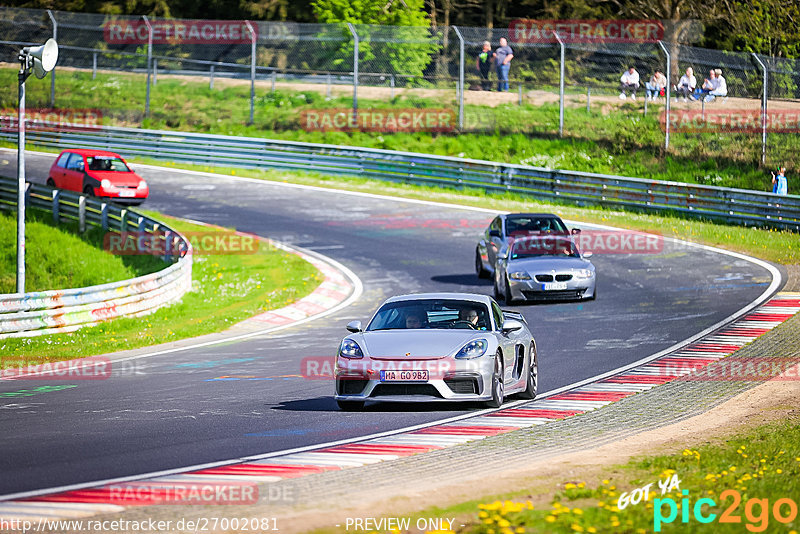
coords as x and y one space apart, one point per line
418 375
127 193
554 286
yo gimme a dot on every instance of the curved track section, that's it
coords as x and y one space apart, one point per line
250 398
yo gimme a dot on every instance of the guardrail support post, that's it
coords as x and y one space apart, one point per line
391 86
149 65
355 68
104 215
53 73
123 220
274 76
588 99
56 205
211 77
82 214
763 109
666 93
560 87
253 39
94 65
460 78
328 85
155 72
140 225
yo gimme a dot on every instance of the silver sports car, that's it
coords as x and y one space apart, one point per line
544 268
434 347
507 227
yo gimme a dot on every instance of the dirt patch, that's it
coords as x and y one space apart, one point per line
768 402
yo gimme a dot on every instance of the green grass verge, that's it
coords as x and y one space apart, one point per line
772 245
761 463
611 138
226 289
57 257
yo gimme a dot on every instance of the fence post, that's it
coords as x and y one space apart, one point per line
274 77
391 85
104 215
460 78
53 73
763 109
253 39
355 68
56 205
560 88
588 98
81 214
94 65
123 219
211 77
149 58
328 85
666 93
155 72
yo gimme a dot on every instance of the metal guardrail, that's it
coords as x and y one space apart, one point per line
48 312
738 206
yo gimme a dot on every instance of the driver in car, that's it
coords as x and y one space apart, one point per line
414 320
469 315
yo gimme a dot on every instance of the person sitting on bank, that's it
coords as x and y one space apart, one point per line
721 88
709 84
629 81
656 84
686 85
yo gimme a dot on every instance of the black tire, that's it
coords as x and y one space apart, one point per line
51 182
498 388
350 406
507 293
88 191
482 273
532 381
497 296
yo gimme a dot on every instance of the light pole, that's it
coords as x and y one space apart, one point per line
40 60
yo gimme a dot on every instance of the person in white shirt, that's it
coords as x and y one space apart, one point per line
629 81
686 84
721 86
653 88
709 84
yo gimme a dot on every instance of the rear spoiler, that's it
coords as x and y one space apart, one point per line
511 314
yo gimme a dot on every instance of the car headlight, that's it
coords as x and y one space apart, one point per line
584 273
105 183
350 349
142 185
473 349
519 275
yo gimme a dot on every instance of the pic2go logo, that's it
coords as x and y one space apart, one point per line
756 511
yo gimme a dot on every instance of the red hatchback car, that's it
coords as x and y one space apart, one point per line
98 173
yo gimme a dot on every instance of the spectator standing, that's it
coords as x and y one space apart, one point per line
484 65
503 56
779 185
653 88
721 88
629 81
686 84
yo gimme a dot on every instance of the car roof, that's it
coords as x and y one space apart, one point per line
92 152
475 297
540 215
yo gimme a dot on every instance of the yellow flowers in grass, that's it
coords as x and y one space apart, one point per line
692 453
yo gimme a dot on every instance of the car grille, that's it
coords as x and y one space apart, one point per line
351 386
562 294
544 277
563 277
462 385
405 389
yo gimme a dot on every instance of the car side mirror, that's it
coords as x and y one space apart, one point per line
502 255
354 326
80 166
588 255
511 325
494 233
576 231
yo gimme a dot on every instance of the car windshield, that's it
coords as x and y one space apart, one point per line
534 225
106 163
545 246
433 313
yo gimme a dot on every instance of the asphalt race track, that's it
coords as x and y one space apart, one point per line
175 411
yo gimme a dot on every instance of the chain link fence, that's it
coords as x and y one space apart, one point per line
567 82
